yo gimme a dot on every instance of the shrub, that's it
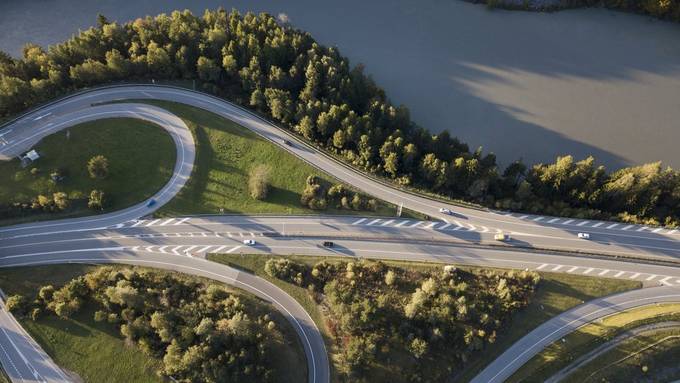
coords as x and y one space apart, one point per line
98 167
258 183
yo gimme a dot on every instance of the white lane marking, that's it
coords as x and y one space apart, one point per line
445 220
373 222
252 234
444 227
457 228
612 226
174 249
603 272
572 269
240 234
627 227
162 249
635 275
219 249
588 270
229 235
484 229
538 219
542 266
181 221
167 222
672 231
203 249
402 223
553 220
619 274
567 222
642 228
665 281
582 223
218 235
557 267
139 222
152 222
204 234
415 224
598 224
188 249
430 226
509 215
359 221
657 230
651 277
41 117
233 249
524 217
149 248
457 223
387 222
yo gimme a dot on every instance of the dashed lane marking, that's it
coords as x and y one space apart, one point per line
553 220
538 219
603 272
167 222
152 222
619 274
402 223
219 248
651 277
181 221
627 227
233 249
635 275
567 222
642 228
588 271
415 224
665 281
359 221
139 222
445 226
582 223
541 267
203 249
524 217
430 226
387 222
556 267
373 222
657 230
572 269
598 224
612 226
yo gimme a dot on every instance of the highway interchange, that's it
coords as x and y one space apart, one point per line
133 236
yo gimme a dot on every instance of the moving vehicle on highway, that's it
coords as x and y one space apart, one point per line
501 237
583 235
151 202
446 211
249 242
286 142
328 244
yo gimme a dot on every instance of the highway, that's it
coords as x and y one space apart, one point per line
180 243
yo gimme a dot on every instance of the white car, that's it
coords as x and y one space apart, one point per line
444 210
249 242
584 235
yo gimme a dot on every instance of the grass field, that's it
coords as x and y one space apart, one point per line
555 294
96 352
141 159
560 354
226 153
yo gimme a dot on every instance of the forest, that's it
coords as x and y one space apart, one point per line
405 325
201 332
283 73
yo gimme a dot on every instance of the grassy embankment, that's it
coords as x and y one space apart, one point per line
96 351
141 159
560 354
226 153
555 294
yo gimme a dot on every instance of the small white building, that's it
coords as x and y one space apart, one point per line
29 157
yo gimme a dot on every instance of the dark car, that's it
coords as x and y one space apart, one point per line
327 244
151 202
286 142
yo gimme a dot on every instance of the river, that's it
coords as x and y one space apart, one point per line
519 84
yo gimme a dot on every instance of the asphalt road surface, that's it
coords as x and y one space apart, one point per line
463 236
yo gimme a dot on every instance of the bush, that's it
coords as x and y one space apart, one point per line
97 200
17 304
98 167
258 183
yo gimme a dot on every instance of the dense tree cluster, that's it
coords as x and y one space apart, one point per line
318 196
201 332
311 89
409 322
662 9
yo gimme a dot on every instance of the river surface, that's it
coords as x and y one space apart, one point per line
522 85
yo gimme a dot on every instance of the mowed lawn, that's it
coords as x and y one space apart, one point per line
226 153
141 159
556 293
93 350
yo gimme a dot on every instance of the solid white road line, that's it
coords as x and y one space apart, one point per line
233 249
359 221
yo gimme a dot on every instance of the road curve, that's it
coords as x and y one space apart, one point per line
558 327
